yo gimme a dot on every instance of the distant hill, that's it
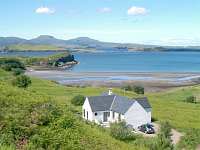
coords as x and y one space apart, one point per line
5 41
46 42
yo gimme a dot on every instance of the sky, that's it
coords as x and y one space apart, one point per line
164 22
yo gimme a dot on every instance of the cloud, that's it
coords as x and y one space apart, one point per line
44 10
105 10
137 11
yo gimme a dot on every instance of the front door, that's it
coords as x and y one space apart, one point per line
105 116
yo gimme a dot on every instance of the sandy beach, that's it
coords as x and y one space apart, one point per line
151 81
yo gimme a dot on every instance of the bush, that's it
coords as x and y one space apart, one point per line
165 129
138 89
163 140
78 100
190 140
9 63
22 81
190 99
17 71
120 131
127 88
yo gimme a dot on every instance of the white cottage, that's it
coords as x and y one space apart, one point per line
113 108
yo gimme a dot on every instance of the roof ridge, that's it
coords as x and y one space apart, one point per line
113 102
100 96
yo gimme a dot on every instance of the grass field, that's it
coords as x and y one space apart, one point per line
167 106
28 47
43 116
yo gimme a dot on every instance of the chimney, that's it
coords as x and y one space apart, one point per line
110 91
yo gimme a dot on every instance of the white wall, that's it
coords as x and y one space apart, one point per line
88 109
99 117
137 115
116 116
148 110
91 115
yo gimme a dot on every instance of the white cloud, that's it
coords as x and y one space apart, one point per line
44 10
137 11
105 10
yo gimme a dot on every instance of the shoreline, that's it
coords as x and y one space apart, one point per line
152 81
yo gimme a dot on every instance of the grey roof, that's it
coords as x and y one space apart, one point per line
121 104
115 103
143 102
104 94
101 103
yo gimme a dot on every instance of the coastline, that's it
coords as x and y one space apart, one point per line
152 81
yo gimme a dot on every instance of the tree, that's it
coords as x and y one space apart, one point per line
78 100
22 81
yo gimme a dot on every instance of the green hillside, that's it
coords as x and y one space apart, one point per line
31 47
42 117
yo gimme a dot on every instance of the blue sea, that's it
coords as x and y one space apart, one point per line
139 62
129 61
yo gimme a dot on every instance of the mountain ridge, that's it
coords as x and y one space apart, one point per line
83 43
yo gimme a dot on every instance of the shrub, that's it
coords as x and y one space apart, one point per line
120 131
78 100
190 140
17 71
190 99
22 81
163 140
138 89
128 88
6 67
165 129
9 63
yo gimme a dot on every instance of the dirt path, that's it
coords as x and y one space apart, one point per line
176 136
198 147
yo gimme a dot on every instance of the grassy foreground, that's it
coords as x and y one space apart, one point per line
39 127
41 117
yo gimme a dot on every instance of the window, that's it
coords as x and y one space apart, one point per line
119 117
84 113
113 115
87 115
95 114
108 114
